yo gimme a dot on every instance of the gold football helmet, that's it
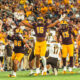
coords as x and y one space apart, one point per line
40 20
19 31
64 24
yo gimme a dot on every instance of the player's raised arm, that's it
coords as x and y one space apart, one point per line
26 24
53 24
58 36
24 40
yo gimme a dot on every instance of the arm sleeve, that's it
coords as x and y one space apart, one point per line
10 38
74 33
58 35
34 24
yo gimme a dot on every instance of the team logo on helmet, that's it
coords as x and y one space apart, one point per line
40 20
18 31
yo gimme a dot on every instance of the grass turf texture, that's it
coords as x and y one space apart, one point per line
24 75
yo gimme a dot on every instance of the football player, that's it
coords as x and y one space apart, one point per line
2 45
18 53
65 31
53 52
40 29
54 56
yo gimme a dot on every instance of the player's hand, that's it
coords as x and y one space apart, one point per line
20 36
62 17
10 33
22 27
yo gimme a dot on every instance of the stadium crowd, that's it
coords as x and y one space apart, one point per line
12 12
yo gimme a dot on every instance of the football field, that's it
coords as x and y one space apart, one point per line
24 75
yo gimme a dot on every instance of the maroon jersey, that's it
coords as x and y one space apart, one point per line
66 35
18 44
40 30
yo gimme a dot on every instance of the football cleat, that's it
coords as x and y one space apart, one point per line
36 74
64 72
71 72
44 73
10 75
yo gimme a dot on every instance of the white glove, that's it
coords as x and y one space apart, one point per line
13 26
20 36
22 27
10 33
62 17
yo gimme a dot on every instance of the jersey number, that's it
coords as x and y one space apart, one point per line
17 43
40 29
65 34
55 49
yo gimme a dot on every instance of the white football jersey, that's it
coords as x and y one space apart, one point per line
54 50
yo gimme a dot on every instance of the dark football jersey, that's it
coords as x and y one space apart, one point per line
18 44
40 30
66 35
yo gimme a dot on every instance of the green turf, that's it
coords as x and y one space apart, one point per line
24 75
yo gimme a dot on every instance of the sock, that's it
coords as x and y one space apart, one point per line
70 69
37 70
65 68
31 71
64 61
44 63
14 73
71 61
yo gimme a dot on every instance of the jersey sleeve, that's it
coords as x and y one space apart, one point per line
58 34
10 38
73 32
34 24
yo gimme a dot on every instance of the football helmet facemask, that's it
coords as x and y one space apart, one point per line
40 20
64 24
